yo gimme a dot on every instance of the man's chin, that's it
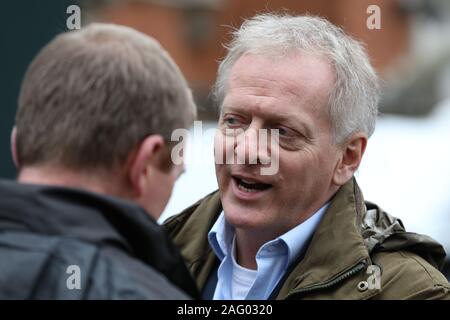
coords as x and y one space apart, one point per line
241 218
241 213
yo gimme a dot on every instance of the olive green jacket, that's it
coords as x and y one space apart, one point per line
352 236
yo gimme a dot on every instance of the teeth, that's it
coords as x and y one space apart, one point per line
248 181
246 189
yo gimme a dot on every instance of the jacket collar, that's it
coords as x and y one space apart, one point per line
337 245
189 230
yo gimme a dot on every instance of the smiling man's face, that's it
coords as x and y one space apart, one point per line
289 94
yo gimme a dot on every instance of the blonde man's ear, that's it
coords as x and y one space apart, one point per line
351 159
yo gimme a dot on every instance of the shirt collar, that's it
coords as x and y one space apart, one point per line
221 235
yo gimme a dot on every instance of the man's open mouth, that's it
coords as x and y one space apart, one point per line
247 185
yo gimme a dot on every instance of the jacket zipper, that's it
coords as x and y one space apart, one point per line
354 270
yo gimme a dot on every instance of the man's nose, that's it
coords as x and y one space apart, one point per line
251 146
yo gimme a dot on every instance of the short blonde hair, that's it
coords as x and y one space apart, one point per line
90 96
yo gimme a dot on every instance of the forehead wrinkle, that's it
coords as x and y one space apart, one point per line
250 103
264 102
252 82
257 86
258 100
315 75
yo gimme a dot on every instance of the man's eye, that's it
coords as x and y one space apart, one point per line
284 132
231 122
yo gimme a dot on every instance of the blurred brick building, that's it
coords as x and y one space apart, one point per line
194 31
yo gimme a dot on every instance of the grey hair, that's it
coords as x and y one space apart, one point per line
90 96
353 102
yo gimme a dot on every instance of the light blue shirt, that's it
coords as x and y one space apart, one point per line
272 259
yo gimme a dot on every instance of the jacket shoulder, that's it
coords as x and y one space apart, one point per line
189 231
210 203
118 276
38 266
406 275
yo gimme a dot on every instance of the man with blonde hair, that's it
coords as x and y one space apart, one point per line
92 148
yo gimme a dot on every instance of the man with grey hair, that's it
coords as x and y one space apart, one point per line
92 147
304 232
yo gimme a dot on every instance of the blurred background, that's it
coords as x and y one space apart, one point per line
406 169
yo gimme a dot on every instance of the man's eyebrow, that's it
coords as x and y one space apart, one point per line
276 118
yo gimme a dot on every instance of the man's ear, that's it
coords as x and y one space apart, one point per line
352 153
146 157
14 147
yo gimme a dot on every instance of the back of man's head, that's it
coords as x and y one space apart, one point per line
90 96
96 110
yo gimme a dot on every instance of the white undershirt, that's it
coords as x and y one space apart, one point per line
242 278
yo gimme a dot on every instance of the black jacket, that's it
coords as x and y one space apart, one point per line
121 252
